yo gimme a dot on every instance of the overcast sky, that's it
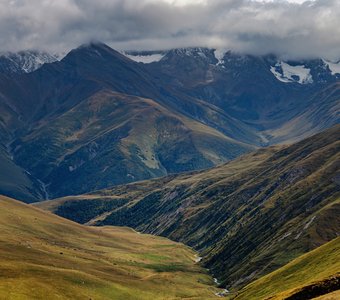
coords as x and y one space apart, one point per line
287 28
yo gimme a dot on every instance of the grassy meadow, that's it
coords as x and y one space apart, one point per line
43 256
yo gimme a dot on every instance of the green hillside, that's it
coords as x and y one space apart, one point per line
43 256
247 217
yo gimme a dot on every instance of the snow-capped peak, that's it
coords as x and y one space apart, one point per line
192 51
24 61
201 53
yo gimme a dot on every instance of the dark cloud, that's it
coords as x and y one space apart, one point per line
288 29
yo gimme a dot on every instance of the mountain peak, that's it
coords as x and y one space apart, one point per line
95 46
191 55
94 53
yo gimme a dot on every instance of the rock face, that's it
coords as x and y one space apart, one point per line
97 118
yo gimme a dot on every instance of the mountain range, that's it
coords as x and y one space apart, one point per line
97 118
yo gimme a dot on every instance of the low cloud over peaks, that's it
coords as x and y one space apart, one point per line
286 28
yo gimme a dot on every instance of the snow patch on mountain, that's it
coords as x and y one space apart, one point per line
203 54
334 67
194 51
287 73
33 62
145 59
278 75
219 54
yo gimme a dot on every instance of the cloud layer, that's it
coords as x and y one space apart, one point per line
310 29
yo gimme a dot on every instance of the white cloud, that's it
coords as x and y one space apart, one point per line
184 2
304 29
290 1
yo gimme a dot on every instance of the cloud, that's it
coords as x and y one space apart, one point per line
286 28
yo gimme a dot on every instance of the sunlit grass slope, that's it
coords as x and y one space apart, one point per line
43 256
307 277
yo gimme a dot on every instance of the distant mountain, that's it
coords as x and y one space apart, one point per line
289 71
284 100
24 61
263 92
247 217
99 118
96 118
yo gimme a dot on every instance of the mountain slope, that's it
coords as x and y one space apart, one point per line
310 275
113 138
37 262
247 217
18 183
322 113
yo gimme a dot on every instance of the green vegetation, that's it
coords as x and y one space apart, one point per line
43 256
302 274
89 209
